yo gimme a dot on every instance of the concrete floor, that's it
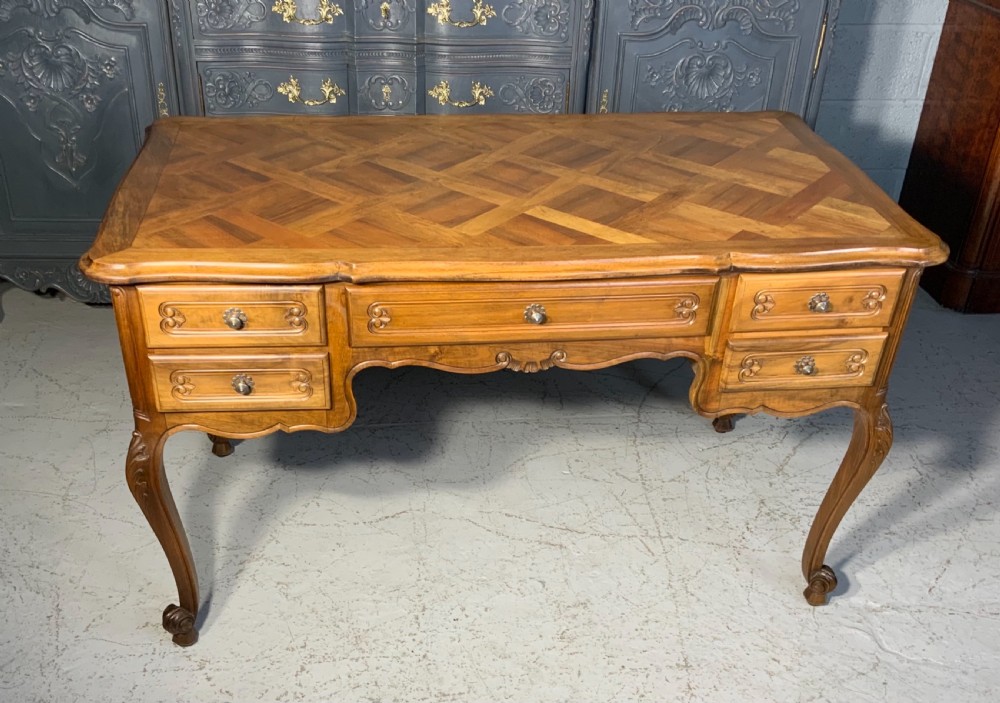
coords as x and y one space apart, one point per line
557 537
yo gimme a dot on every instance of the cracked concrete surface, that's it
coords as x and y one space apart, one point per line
556 537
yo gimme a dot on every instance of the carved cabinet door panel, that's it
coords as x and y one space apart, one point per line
709 55
79 83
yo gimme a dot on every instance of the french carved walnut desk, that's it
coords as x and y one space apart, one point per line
258 264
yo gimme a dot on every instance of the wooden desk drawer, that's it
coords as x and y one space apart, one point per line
387 315
196 316
820 300
821 362
192 383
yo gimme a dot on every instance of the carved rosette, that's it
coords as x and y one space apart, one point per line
687 308
509 362
536 95
181 385
302 383
856 363
295 316
872 302
172 318
221 15
231 90
703 81
770 16
387 92
378 317
543 18
750 367
763 304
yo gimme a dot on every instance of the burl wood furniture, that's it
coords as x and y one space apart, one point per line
258 264
953 179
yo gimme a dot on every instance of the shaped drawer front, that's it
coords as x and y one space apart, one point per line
485 89
829 362
291 89
226 316
388 315
234 382
308 20
516 22
820 300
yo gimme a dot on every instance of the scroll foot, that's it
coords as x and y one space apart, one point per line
821 583
724 423
220 445
180 623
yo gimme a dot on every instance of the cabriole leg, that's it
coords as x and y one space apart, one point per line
148 483
870 443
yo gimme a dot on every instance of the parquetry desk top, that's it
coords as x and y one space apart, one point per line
301 199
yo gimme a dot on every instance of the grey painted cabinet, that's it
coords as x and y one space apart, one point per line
336 57
710 55
79 82
81 79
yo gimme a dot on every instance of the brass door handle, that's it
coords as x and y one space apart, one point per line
289 12
481 12
442 92
293 91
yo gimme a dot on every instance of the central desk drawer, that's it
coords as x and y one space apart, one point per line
389 315
227 316
236 382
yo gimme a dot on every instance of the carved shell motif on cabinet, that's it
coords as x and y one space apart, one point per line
382 56
717 55
80 80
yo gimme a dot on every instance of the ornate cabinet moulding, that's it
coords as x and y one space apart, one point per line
230 90
538 95
49 9
386 15
703 78
222 15
543 18
60 80
385 93
763 15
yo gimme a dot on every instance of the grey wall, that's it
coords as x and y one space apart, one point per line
874 90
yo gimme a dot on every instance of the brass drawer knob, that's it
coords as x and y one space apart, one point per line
235 318
535 314
243 384
806 366
820 303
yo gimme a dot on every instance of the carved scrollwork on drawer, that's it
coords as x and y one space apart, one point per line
293 380
539 95
542 18
387 93
791 363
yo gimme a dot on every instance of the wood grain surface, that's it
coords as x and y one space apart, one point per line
301 199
